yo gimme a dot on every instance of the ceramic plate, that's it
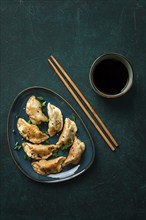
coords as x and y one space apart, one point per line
23 163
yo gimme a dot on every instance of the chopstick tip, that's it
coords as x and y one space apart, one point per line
49 61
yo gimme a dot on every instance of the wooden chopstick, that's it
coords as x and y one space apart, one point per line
86 102
82 106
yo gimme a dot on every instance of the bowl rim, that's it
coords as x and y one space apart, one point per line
121 58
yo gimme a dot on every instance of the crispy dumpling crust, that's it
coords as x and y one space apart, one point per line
75 152
68 134
55 119
31 132
46 167
38 151
34 111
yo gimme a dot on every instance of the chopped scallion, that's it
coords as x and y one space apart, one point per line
44 103
65 147
17 146
73 117
40 98
47 142
26 157
55 153
29 121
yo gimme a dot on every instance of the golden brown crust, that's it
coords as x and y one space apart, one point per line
55 119
75 152
46 167
68 134
31 132
34 110
38 151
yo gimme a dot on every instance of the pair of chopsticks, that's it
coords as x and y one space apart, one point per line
110 140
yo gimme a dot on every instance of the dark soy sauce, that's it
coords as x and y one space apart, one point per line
110 76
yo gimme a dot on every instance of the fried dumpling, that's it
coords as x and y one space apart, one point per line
68 134
75 152
46 167
38 151
34 110
31 132
55 119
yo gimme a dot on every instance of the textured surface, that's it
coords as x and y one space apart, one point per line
76 32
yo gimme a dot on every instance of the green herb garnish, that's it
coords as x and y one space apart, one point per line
44 103
73 117
24 131
65 147
47 142
17 146
55 153
26 157
40 98
29 121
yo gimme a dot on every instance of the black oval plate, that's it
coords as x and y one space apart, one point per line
18 110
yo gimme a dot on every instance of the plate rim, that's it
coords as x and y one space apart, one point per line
9 144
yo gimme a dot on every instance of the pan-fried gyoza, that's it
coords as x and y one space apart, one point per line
75 152
55 119
34 111
46 167
39 151
31 132
68 134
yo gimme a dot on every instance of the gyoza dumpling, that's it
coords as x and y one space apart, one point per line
55 119
46 167
31 132
38 151
34 110
75 152
68 134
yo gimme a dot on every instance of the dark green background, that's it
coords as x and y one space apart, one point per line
76 32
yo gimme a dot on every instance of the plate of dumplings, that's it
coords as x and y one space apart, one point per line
47 139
